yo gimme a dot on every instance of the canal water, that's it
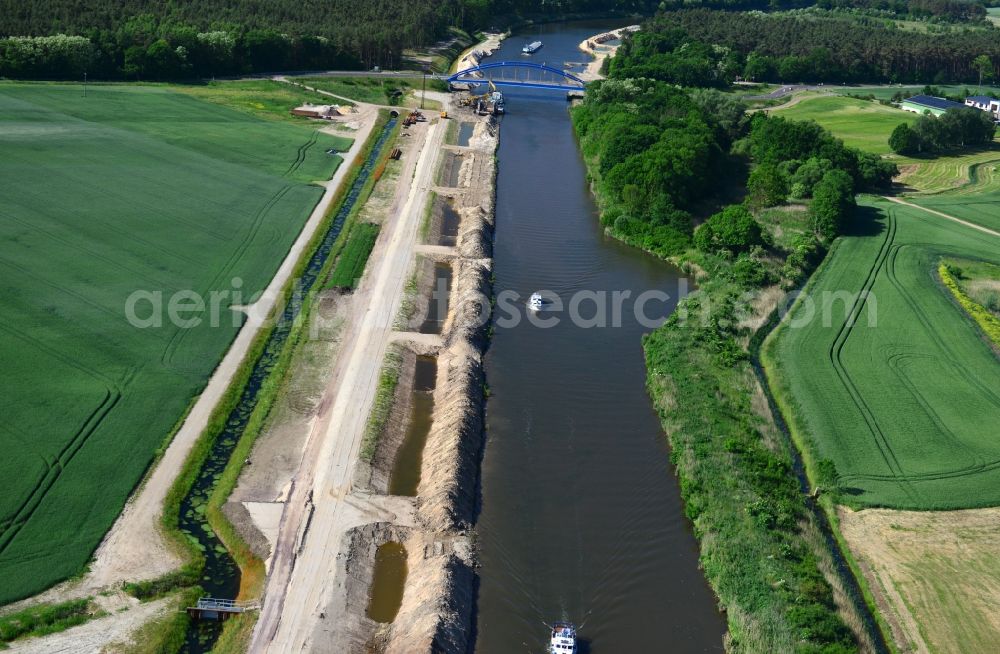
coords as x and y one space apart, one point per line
581 516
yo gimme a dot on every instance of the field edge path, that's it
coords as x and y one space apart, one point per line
985 230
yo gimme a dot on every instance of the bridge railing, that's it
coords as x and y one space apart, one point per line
227 605
484 73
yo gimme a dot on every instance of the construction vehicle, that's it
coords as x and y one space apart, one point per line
413 118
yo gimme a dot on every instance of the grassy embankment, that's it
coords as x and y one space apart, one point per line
263 98
45 619
382 406
439 58
351 263
251 567
224 184
761 547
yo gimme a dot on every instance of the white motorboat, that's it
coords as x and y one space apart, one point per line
563 638
536 301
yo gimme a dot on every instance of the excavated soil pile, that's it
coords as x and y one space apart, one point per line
436 610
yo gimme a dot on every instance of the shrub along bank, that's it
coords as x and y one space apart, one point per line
987 321
761 546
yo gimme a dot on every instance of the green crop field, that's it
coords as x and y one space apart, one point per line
128 189
859 123
982 208
905 400
972 173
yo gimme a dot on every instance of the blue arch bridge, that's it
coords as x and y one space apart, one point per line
523 74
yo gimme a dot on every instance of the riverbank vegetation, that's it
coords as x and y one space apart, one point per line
652 150
45 619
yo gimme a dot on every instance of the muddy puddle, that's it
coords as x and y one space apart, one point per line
465 133
450 168
450 222
409 459
437 307
388 581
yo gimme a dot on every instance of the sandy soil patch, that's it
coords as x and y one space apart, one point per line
474 55
597 46
935 575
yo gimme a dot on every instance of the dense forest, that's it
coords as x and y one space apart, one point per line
148 39
660 152
812 47
937 10
145 39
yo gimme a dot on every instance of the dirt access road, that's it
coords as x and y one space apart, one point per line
321 506
934 212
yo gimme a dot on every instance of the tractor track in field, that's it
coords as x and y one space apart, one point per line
62 289
300 155
930 476
949 361
935 212
942 344
76 246
836 350
113 393
151 205
170 351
